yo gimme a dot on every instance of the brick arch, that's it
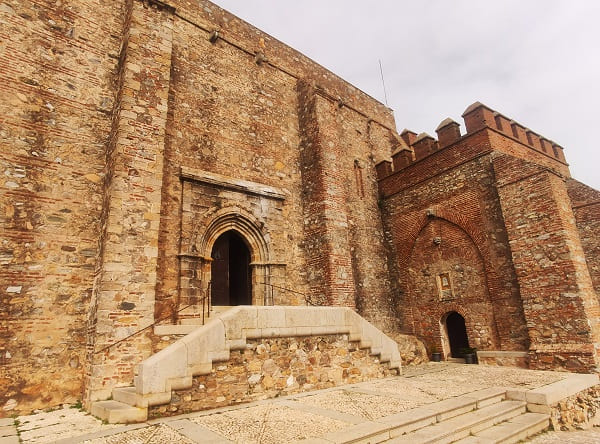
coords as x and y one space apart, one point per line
470 294
429 221
239 220
468 226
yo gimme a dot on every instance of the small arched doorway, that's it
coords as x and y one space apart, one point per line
457 333
230 271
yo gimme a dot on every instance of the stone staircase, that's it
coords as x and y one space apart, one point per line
174 367
485 416
493 415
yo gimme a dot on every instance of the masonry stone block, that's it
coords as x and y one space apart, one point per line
138 143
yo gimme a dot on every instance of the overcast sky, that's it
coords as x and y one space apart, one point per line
536 61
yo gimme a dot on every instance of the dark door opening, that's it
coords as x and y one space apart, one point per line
230 271
457 334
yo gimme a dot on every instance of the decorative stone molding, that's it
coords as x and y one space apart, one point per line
245 186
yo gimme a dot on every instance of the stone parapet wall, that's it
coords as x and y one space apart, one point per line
268 368
578 411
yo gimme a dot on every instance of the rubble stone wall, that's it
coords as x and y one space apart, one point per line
585 202
269 368
57 66
579 411
443 217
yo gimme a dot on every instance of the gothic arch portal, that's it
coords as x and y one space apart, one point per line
249 230
243 223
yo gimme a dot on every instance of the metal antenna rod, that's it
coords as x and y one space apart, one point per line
383 82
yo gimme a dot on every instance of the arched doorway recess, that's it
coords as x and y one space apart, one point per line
231 275
457 333
247 237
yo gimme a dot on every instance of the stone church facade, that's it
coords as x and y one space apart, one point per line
160 155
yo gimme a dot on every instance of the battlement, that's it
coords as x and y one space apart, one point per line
413 148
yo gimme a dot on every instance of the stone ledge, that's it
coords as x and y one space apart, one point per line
244 186
552 393
501 354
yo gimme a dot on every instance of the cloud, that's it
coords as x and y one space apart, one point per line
536 61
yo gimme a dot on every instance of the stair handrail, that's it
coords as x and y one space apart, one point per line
307 298
205 301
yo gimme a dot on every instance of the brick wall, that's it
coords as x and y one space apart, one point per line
585 202
559 301
445 218
57 65
504 186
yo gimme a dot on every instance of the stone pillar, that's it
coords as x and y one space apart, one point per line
125 286
326 232
559 302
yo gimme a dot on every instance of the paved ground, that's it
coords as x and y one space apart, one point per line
296 417
591 436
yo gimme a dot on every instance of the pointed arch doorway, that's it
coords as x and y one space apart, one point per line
231 276
457 333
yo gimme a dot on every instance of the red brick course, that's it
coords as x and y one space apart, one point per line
131 140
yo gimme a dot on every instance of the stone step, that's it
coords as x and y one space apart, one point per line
129 395
115 412
461 426
402 423
511 431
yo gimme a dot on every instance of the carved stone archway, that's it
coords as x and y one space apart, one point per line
195 281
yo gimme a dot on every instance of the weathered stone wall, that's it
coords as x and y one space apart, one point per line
106 103
57 65
448 198
231 117
125 287
579 411
560 304
217 109
343 231
504 187
585 202
131 139
268 368
363 142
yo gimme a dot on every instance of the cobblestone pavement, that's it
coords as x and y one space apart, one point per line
296 417
591 436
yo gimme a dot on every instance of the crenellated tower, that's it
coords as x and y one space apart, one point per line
484 231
